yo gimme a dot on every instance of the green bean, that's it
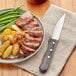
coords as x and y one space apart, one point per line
10 10
2 25
21 11
5 22
10 13
9 17
9 24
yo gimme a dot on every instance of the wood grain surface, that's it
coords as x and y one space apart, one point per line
39 10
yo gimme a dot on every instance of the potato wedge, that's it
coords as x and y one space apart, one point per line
7 52
15 49
8 37
5 32
16 28
4 46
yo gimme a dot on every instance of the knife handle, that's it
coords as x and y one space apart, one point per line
48 55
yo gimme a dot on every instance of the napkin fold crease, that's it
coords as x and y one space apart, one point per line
65 45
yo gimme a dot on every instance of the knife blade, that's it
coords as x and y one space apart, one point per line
52 42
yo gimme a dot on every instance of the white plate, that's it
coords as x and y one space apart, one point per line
22 59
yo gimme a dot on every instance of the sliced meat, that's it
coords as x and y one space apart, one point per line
24 23
36 29
35 33
34 21
29 27
23 53
31 22
27 15
27 38
33 45
33 39
27 48
20 22
24 19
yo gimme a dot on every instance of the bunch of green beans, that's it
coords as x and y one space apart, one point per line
8 17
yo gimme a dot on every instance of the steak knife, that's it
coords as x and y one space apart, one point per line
52 42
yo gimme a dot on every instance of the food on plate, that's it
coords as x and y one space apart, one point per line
7 32
6 26
31 39
3 47
7 52
21 34
16 48
8 37
13 33
8 17
16 28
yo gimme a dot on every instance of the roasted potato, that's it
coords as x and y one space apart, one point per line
15 49
4 46
7 52
8 37
5 32
16 28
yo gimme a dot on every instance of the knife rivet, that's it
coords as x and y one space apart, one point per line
50 49
53 42
48 57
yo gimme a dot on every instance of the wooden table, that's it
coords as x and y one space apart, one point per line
39 10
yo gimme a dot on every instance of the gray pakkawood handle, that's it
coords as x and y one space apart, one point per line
48 55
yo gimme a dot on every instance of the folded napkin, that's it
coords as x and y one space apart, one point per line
65 45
